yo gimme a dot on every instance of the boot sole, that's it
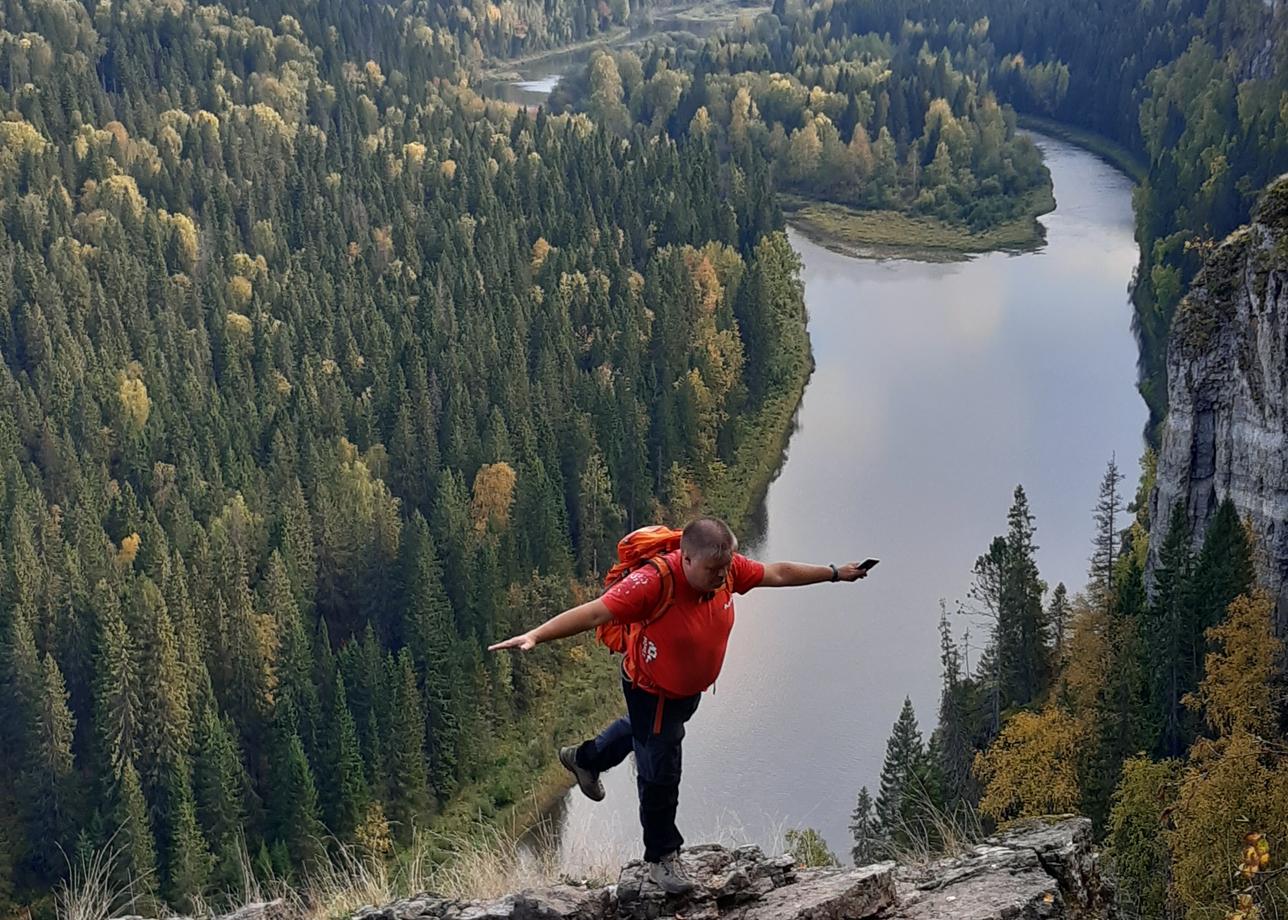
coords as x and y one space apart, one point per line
571 767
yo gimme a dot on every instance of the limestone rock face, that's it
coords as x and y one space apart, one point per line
1226 432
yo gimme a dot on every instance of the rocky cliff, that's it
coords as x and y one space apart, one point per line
1226 432
1042 870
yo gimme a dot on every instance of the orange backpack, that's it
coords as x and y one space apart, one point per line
645 546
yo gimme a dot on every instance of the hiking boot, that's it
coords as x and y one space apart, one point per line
587 780
669 875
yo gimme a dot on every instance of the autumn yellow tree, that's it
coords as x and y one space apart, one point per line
1235 786
1031 769
493 496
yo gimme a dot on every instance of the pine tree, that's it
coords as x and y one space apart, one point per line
951 741
865 831
51 775
1105 545
407 792
1058 616
1222 572
986 602
432 642
1024 633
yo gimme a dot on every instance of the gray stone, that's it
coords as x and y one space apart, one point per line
1226 432
276 909
1043 869
829 895
1039 868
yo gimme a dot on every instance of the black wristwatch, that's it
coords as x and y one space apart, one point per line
836 574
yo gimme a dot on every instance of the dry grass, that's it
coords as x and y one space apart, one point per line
897 234
936 833
481 864
90 893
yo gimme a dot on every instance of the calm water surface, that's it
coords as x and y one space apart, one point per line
938 388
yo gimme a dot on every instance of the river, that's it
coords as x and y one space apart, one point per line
938 388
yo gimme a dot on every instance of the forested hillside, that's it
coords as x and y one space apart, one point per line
851 116
1197 88
318 374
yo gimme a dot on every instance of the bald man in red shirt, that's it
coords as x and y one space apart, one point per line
676 656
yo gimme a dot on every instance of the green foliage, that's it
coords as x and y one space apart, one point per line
847 112
1137 843
809 849
290 412
865 831
910 783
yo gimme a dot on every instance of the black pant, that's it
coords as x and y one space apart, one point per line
657 761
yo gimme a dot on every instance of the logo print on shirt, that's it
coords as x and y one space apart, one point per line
650 650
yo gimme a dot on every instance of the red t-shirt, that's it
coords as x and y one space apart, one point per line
680 653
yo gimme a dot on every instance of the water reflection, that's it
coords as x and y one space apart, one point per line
938 387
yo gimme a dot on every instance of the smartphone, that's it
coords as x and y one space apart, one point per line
868 563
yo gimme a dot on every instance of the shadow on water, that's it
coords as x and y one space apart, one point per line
756 526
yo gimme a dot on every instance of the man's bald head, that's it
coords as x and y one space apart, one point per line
708 538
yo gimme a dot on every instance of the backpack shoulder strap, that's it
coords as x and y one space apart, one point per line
666 582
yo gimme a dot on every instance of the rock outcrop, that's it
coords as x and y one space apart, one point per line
1226 432
1044 869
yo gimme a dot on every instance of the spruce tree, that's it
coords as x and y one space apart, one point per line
1024 646
51 780
344 785
865 831
952 737
1169 623
433 645
904 792
1105 544
220 785
1222 572
188 862
1058 616
407 796
296 826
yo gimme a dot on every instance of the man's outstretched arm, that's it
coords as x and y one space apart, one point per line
791 574
569 623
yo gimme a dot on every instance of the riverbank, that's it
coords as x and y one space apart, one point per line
896 234
700 18
527 782
1112 152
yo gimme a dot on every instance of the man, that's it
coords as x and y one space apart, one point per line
669 662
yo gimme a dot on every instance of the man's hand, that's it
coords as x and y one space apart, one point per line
569 623
851 571
523 643
791 574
